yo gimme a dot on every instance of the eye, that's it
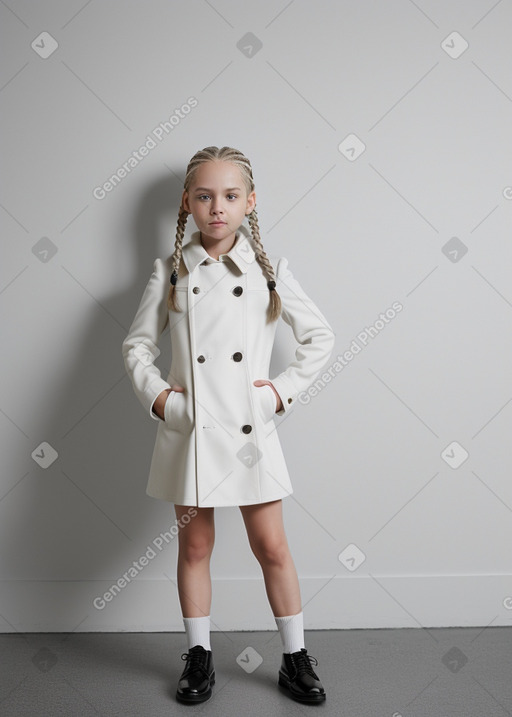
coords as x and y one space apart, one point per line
203 195
232 195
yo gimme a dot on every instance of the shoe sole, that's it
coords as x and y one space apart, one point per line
311 700
195 699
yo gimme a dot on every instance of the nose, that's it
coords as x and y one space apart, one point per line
216 207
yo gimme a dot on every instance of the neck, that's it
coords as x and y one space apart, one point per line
214 247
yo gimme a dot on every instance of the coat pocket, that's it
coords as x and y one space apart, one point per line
176 413
265 401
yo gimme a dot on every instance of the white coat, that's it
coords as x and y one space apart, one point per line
218 444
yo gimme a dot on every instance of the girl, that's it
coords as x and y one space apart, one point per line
216 441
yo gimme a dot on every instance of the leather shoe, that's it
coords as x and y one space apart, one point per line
298 678
195 684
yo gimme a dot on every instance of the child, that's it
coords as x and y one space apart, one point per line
216 442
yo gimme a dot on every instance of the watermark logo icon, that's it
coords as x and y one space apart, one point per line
249 454
146 353
454 455
454 45
244 249
249 660
351 147
351 557
249 45
454 249
44 455
454 659
44 249
44 659
45 45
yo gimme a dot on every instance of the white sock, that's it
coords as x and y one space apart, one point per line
198 631
291 629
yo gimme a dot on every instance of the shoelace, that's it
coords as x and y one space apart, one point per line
302 663
194 660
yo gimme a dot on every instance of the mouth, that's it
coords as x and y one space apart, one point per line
217 224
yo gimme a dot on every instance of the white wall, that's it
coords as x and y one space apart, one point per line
360 233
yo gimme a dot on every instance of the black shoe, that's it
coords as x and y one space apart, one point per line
299 679
195 684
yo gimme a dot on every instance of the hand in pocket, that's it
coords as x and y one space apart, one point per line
177 416
262 382
162 398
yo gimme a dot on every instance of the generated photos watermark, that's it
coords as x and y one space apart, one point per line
100 602
158 134
362 340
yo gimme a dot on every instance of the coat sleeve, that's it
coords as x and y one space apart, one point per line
140 347
311 330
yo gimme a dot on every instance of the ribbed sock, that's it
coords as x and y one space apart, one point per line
198 631
291 629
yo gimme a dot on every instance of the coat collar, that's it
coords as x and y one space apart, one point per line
242 253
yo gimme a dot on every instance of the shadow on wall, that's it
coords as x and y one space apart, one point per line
85 515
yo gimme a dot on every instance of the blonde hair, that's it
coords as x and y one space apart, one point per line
236 157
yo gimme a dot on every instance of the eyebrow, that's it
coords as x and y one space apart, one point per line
205 189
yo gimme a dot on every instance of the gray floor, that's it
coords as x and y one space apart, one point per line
464 672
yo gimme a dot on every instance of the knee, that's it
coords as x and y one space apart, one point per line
271 553
196 549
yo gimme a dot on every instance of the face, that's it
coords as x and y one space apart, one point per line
218 201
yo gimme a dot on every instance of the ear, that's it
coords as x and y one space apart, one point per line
184 202
251 202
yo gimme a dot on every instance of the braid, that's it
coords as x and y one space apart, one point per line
172 299
228 154
274 307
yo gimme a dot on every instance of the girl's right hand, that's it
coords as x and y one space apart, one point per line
159 404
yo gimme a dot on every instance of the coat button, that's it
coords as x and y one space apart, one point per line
289 400
201 358
237 356
196 290
247 428
237 290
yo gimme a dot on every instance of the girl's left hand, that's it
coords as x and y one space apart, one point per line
262 382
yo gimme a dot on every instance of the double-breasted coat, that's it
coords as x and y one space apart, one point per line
218 444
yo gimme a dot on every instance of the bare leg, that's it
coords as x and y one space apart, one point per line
195 546
267 538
